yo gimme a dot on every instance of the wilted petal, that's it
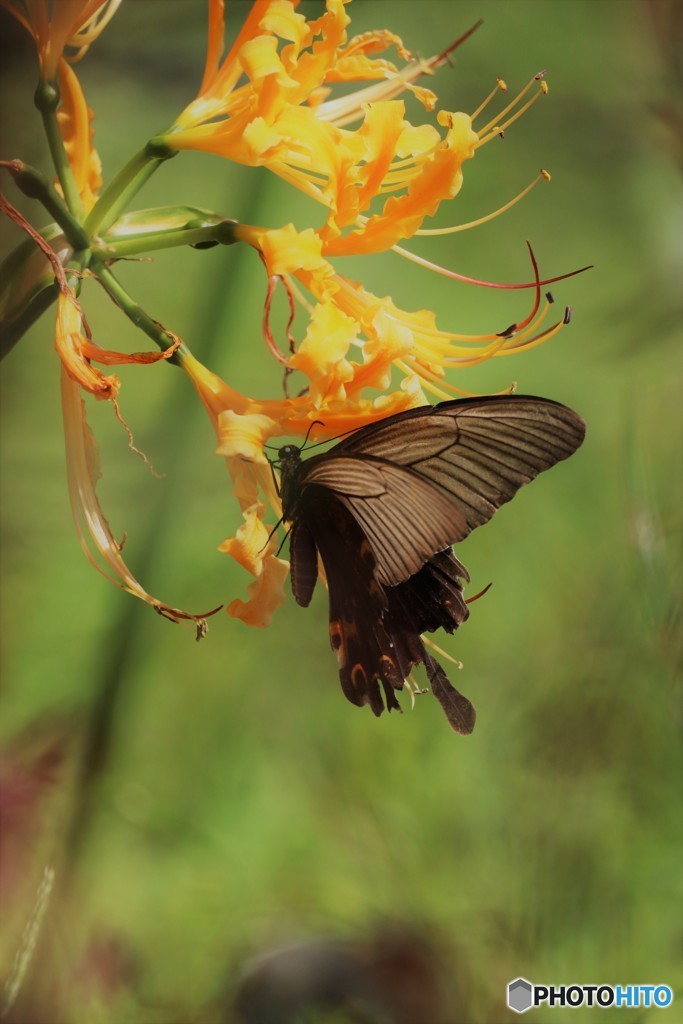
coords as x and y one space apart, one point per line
70 341
83 472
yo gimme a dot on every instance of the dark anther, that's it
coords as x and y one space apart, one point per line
550 297
541 74
509 332
567 315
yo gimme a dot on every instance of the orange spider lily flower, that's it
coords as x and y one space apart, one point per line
280 118
63 31
383 333
62 28
269 102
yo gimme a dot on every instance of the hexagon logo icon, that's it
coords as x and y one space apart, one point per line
520 995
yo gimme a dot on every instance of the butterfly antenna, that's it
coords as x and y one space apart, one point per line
329 440
315 423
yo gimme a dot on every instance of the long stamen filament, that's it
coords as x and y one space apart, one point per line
474 280
497 129
499 86
412 365
538 339
427 385
344 110
543 175
506 110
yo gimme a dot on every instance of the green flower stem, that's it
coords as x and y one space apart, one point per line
12 332
47 101
221 233
136 313
36 186
125 185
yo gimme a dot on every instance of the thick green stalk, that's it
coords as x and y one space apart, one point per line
136 313
201 235
47 101
36 186
125 185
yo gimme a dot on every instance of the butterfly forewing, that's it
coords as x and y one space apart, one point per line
478 451
404 517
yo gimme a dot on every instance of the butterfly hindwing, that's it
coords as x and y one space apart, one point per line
375 629
365 653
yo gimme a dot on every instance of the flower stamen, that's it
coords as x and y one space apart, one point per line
500 86
511 106
499 128
474 280
542 176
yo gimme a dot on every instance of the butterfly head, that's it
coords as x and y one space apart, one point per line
289 452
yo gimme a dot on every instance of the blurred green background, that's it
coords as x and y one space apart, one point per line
204 803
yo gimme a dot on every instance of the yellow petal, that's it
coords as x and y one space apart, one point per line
322 353
75 124
251 548
282 20
286 250
243 436
266 594
248 546
259 58
261 140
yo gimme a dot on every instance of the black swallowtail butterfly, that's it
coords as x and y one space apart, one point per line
382 509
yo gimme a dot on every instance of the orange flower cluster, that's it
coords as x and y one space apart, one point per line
269 102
